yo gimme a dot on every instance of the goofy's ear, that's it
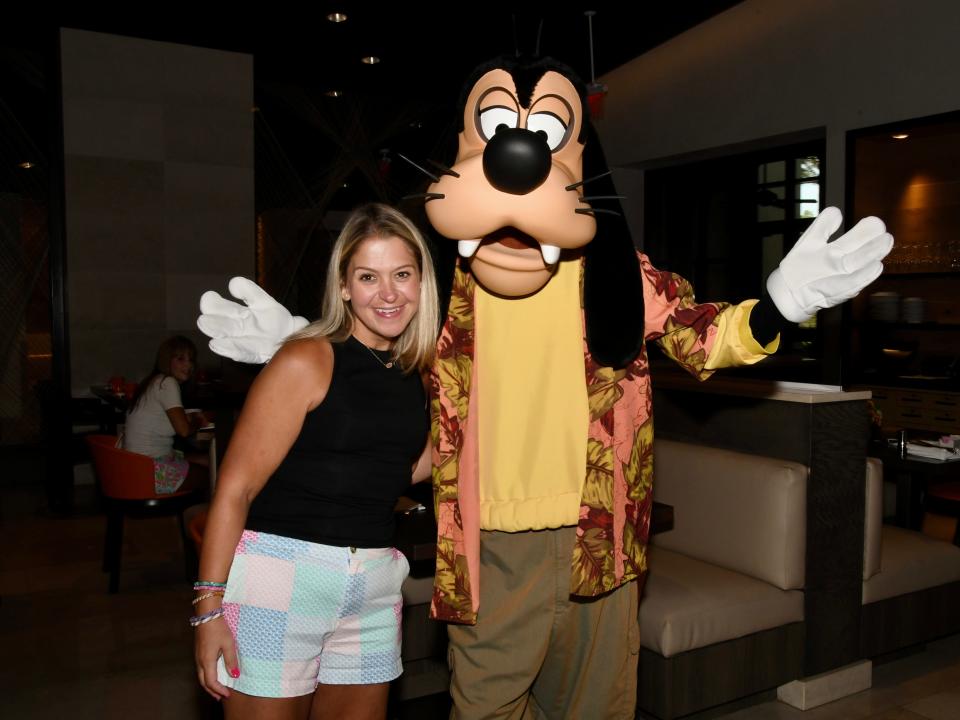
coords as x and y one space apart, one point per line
612 286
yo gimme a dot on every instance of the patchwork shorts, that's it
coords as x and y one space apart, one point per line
304 613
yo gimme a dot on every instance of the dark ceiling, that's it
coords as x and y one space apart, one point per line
425 47
325 151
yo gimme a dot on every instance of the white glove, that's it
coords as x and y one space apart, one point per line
817 274
249 333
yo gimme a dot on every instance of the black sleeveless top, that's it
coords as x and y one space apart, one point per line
340 481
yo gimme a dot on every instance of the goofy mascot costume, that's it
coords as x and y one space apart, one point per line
541 399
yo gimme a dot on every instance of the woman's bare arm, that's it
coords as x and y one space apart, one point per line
293 383
183 424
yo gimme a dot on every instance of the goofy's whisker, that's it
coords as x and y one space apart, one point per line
591 211
421 169
444 170
586 198
583 182
426 196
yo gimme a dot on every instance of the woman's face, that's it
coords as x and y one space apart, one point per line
181 365
382 285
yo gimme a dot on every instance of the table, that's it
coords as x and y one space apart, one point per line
117 401
912 474
114 405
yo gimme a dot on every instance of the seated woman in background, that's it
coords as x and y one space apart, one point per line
156 415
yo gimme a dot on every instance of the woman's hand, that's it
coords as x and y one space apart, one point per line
212 640
198 420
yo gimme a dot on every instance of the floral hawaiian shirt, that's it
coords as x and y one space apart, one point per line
616 499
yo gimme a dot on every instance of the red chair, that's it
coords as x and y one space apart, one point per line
127 486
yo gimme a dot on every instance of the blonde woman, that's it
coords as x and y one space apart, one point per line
297 608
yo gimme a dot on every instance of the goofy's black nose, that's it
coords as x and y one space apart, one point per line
516 160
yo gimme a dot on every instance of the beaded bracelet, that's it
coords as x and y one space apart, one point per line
206 617
205 596
204 584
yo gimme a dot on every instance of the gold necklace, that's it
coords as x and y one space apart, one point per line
376 357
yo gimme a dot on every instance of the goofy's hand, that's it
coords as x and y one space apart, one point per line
250 332
817 274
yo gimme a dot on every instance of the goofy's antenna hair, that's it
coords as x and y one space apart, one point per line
524 20
590 14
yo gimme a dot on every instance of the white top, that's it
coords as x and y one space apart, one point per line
148 430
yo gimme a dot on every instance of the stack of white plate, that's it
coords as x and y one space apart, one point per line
885 306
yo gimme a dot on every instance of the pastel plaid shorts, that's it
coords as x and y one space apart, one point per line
304 613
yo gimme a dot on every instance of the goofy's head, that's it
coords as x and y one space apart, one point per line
515 199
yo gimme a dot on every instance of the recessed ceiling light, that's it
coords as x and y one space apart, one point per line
26 165
337 17
900 136
334 93
370 60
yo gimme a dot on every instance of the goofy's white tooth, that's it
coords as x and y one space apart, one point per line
467 248
551 253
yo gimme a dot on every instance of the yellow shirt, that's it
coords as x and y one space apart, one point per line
534 438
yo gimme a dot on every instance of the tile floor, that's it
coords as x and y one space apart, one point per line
72 650
922 685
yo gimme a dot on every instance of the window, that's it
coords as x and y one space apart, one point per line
725 225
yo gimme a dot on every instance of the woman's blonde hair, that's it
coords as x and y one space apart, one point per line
415 347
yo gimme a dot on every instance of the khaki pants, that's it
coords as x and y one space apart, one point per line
535 652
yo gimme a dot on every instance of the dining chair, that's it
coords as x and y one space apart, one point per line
127 487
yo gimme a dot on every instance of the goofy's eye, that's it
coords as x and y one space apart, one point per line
550 125
493 117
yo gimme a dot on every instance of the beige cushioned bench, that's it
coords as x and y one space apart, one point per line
721 615
898 561
911 582
423 644
734 563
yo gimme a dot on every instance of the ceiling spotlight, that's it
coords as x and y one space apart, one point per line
370 60
900 136
334 93
337 17
26 165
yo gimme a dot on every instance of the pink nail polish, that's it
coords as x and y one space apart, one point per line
235 673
